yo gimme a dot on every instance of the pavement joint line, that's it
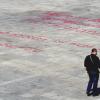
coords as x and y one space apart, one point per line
16 80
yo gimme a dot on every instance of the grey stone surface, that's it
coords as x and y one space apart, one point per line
56 72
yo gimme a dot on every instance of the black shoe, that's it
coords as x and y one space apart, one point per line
95 94
89 94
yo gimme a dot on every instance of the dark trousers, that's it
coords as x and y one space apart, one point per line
93 81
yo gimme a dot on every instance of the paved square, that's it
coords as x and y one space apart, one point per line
43 44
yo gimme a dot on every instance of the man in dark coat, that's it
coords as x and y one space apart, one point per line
92 64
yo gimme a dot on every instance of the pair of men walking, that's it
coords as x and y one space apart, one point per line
92 64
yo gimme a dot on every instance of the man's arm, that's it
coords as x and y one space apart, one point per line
85 61
98 62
